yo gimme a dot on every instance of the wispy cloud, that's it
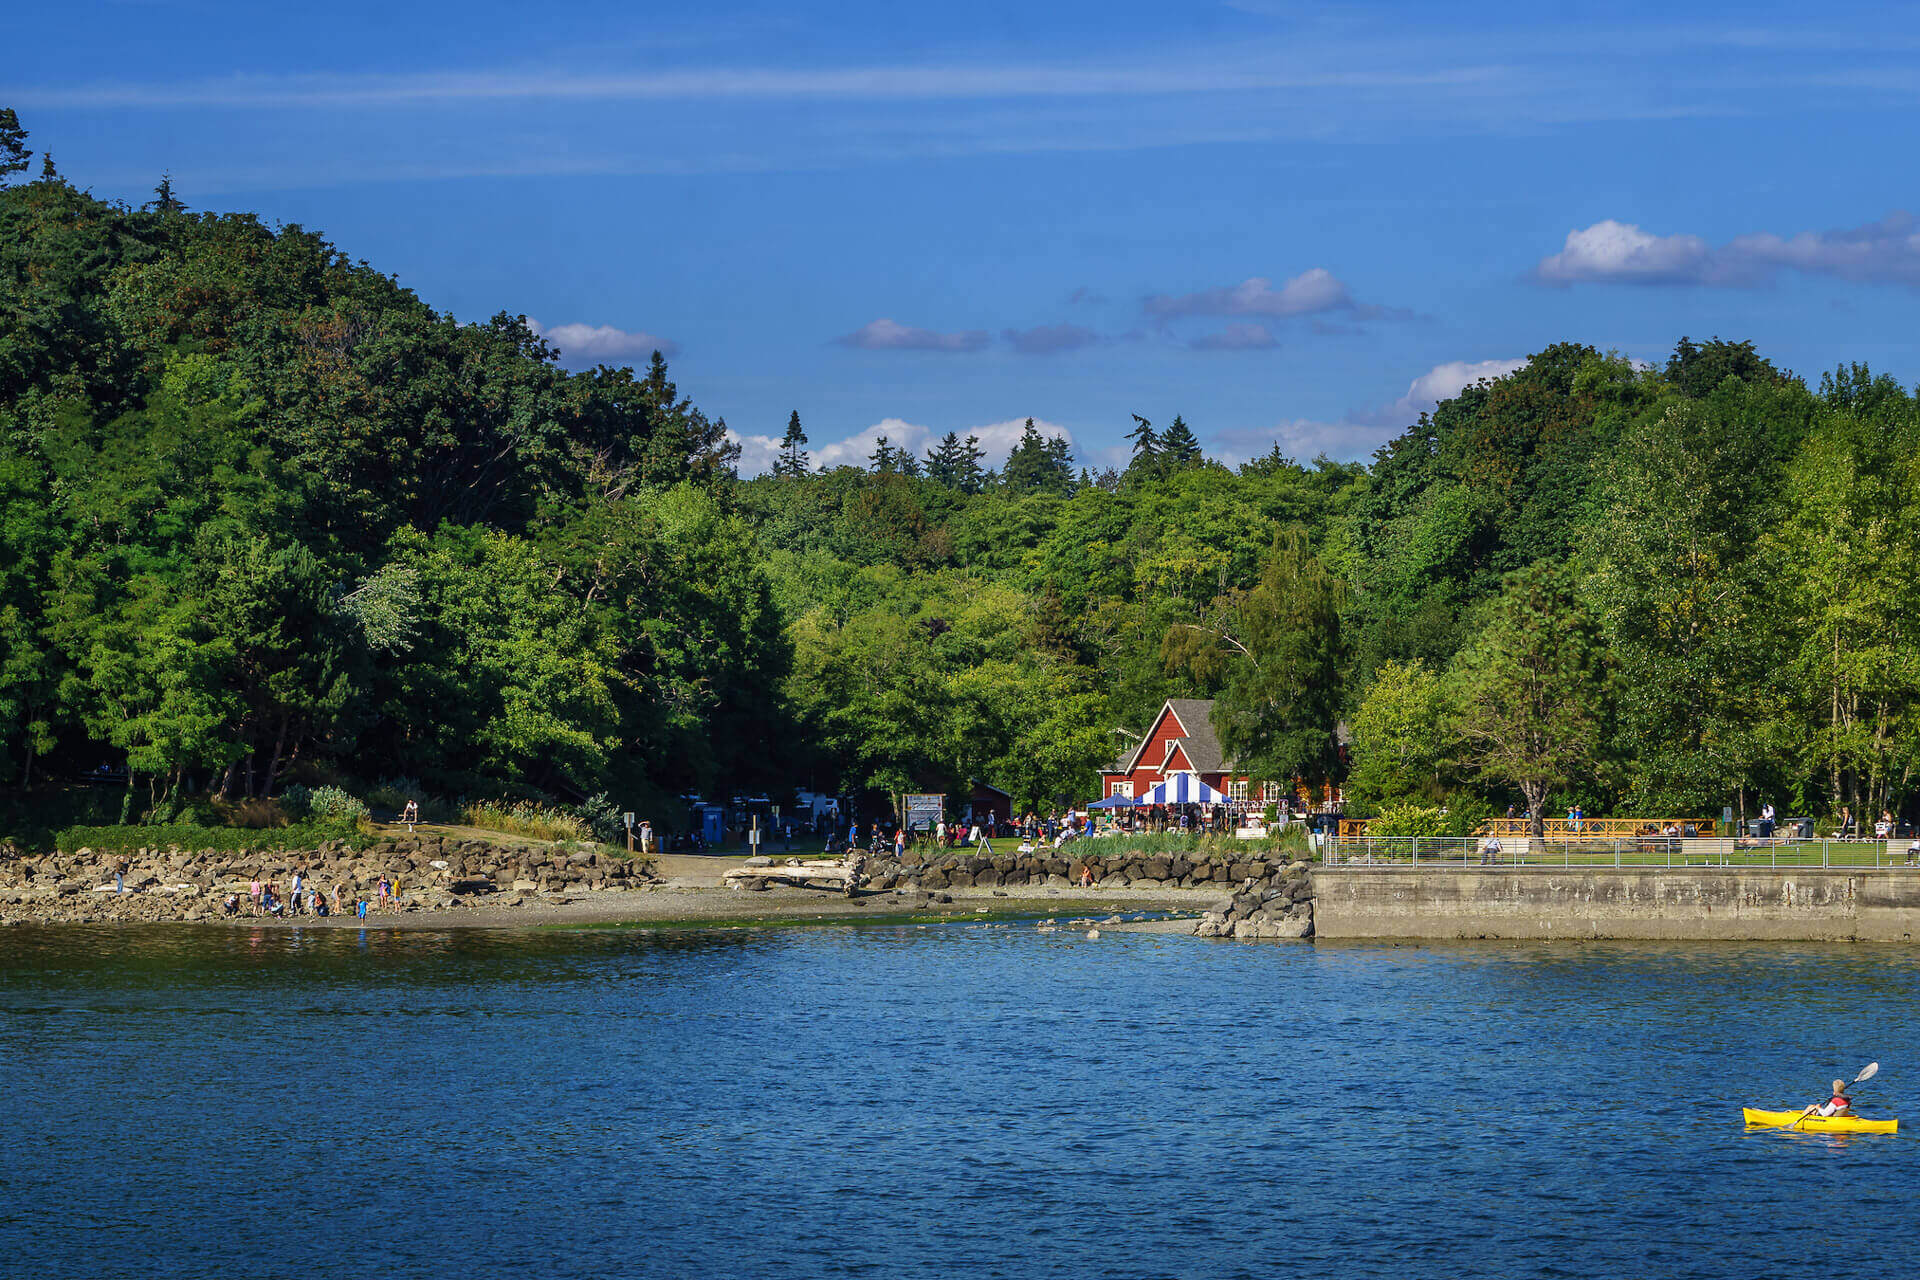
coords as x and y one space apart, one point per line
1049 339
997 440
1883 252
872 83
1237 337
888 335
1312 291
602 343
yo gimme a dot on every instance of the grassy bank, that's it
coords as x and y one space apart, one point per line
183 835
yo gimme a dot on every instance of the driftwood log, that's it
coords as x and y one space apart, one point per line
845 874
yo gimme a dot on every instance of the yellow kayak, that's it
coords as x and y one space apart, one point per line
1820 1124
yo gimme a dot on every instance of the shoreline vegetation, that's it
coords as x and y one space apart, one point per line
281 544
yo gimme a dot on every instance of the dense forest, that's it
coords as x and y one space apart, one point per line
266 516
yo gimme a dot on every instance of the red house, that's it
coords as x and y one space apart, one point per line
1181 740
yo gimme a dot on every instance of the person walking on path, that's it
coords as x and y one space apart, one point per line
900 842
1766 821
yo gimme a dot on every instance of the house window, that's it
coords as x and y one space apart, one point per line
1122 789
1270 792
1237 789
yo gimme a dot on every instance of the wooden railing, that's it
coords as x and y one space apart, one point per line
1563 829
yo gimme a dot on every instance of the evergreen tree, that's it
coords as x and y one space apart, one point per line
1038 464
164 201
13 145
47 172
1146 461
970 476
1179 448
793 460
943 461
884 458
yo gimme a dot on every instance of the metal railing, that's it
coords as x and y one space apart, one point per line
1571 829
1647 853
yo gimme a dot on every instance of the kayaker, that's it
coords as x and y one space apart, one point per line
1837 1105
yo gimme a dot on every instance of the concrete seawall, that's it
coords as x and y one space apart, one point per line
1811 904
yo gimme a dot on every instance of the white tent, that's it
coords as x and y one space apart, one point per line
1183 788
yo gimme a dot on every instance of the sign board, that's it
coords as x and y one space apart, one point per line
1726 815
629 820
923 811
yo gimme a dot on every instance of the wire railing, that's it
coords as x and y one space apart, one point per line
1648 853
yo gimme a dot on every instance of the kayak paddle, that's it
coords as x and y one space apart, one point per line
1866 1073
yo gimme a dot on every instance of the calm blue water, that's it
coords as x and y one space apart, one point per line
935 1102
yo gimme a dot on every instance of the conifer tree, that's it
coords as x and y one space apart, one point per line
13 145
882 459
164 201
943 461
1179 448
793 459
1146 448
969 475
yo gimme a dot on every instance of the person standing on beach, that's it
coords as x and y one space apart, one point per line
255 892
293 896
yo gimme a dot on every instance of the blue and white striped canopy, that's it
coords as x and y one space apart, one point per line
1183 788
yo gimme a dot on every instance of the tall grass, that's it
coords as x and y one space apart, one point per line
525 818
1291 843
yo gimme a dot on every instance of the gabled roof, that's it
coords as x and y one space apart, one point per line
1197 740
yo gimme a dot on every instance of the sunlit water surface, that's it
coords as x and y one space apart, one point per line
953 1100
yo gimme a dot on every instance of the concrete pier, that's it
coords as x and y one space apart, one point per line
1800 903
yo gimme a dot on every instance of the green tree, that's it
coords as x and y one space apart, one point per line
1532 691
793 459
13 145
1399 736
1278 655
1038 464
1179 447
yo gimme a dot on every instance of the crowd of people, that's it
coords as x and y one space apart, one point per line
304 897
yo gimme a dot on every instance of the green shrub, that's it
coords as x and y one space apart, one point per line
603 818
123 839
1467 814
331 804
1407 820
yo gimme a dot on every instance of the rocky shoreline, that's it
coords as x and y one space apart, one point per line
1267 898
451 882
426 874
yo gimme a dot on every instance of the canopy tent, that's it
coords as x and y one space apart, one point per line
1183 788
1116 802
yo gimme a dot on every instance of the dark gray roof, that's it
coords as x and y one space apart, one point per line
1202 744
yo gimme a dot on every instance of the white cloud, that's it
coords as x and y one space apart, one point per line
1442 382
1621 251
1361 431
1883 252
997 440
1237 337
1312 291
602 344
887 335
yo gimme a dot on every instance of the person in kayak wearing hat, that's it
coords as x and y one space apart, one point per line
1837 1105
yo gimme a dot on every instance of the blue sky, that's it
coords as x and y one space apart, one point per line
1287 222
